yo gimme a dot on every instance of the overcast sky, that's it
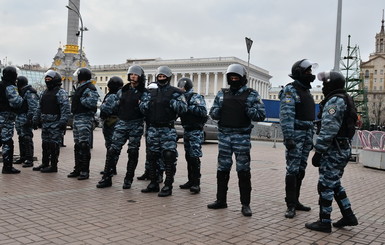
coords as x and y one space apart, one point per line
283 31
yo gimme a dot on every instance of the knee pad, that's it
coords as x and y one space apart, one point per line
84 146
169 156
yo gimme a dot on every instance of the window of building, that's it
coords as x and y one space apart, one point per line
275 96
96 79
367 73
316 97
322 97
374 87
381 72
106 79
270 96
380 88
375 80
375 72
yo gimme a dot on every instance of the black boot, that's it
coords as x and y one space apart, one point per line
189 183
144 176
319 226
348 217
196 175
28 144
223 178
113 166
244 183
46 151
8 161
291 195
55 151
133 156
169 162
299 205
76 172
85 157
21 150
154 185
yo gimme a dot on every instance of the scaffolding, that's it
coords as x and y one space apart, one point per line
350 67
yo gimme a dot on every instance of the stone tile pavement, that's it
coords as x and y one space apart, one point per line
37 208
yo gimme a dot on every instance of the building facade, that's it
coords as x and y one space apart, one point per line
207 74
373 75
315 91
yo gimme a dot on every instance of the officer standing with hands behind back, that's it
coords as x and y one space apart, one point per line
333 149
297 113
235 108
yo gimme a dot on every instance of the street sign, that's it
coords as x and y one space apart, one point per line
249 42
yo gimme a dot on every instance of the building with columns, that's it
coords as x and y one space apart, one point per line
207 74
373 75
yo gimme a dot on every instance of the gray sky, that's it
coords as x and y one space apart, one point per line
283 31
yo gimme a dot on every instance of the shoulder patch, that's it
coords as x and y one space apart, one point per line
332 111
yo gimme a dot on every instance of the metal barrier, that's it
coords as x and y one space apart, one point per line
373 148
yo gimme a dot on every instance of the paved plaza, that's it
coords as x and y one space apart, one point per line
38 208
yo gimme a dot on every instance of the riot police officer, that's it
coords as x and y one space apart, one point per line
161 108
52 114
109 114
23 123
10 100
235 108
332 151
193 121
129 127
83 108
297 113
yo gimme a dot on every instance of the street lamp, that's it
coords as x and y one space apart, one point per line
82 29
249 43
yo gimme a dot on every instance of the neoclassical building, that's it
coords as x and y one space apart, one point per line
208 74
373 75
316 92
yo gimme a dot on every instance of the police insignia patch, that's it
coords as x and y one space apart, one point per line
331 111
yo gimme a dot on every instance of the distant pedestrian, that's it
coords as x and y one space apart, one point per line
193 121
83 108
10 100
161 108
52 116
297 114
23 123
332 151
235 108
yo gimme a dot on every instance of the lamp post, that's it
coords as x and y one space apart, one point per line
249 43
82 29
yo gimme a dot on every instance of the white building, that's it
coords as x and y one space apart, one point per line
208 74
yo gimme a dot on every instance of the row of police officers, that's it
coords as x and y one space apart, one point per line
131 110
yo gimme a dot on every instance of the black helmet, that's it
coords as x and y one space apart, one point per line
83 74
239 71
138 70
185 83
9 73
299 68
164 70
332 80
114 84
21 82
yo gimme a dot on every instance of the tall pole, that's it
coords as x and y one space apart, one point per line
337 55
249 43
76 10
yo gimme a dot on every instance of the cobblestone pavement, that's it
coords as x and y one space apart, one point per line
38 208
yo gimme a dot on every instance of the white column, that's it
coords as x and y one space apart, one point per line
224 81
215 83
199 82
175 79
207 83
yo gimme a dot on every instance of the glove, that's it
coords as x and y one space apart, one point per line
316 159
62 125
290 144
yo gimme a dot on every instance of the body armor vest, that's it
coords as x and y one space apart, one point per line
305 110
4 103
129 105
191 121
160 111
233 110
24 106
49 103
77 107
